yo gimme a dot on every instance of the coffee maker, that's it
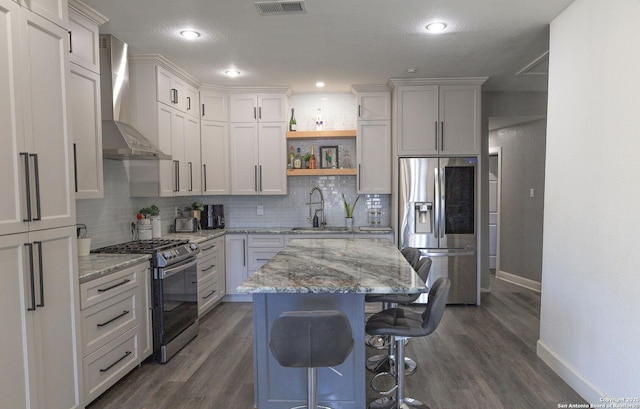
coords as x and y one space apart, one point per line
212 217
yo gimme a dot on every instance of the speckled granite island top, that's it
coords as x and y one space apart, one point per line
336 266
99 265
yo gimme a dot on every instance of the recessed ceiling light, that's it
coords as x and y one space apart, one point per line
319 84
190 34
232 73
436 27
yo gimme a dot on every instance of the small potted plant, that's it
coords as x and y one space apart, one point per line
194 210
348 210
149 216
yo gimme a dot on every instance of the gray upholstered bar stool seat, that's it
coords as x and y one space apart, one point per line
311 339
403 324
412 255
384 362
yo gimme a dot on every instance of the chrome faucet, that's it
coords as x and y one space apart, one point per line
323 221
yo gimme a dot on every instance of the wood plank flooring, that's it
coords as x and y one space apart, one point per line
479 357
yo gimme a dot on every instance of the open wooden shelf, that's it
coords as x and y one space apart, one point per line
345 134
321 172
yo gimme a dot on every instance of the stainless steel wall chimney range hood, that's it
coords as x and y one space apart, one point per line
120 140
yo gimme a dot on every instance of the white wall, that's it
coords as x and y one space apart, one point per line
590 316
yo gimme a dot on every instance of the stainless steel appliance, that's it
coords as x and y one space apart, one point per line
174 290
186 225
437 214
212 217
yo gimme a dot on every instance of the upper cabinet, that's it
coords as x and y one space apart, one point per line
373 106
37 172
84 100
165 112
438 118
53 10
214 142
258 107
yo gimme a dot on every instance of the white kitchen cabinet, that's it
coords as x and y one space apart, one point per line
115 327
211 274
83 32
270 107
36 165
53 10
258 158
38 306
438 119
167 125
214 149
374 106
373 152
86 128
214 105
235 246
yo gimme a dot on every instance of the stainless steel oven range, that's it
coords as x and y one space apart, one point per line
174 291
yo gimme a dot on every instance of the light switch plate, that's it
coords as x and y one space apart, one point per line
260 210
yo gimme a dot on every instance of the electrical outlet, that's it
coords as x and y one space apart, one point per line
176 212
260 210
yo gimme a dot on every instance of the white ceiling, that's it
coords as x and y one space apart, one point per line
341 42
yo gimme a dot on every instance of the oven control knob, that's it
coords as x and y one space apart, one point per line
193 246
167 255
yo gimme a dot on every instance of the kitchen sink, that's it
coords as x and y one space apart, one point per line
321 229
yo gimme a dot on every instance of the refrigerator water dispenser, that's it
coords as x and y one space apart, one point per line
424 217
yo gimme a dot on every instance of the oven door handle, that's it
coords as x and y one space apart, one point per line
167 272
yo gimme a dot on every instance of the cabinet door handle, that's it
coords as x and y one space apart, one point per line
176 180
190 176
260 178
436 138
209 295
204 176
442 135
244 253
359 111
102 290
125 312
32 278
188 103
260 113
208 268
202 110
41 273
255 177
75 165
36 174
359 176
208 248
27 177
126 354
255 116
70 42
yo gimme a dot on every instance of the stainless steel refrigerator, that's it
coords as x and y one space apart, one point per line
437 214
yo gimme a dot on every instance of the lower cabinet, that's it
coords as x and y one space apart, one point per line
211 274
116 327
40 363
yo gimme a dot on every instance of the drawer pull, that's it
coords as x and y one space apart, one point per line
263 259
209 248
126 354
209 295
208 268
113 319
101 290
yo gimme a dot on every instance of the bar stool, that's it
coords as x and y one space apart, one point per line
311 339
404 324
384 362
412 255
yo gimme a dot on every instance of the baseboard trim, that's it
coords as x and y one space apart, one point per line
569 374
521 281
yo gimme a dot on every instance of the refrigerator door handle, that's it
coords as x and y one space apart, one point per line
438 211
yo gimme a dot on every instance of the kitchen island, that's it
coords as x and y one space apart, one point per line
315 274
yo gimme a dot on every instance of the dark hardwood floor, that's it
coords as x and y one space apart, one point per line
479 357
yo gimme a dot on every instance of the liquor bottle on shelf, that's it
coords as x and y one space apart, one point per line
293 126
312 159
319 121
297 160
291 158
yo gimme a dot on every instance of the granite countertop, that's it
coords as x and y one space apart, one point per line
336 266
310 230
198 236
99 265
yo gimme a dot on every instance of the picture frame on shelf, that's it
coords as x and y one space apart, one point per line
329 157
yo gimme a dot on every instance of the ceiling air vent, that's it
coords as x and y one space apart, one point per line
268 8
